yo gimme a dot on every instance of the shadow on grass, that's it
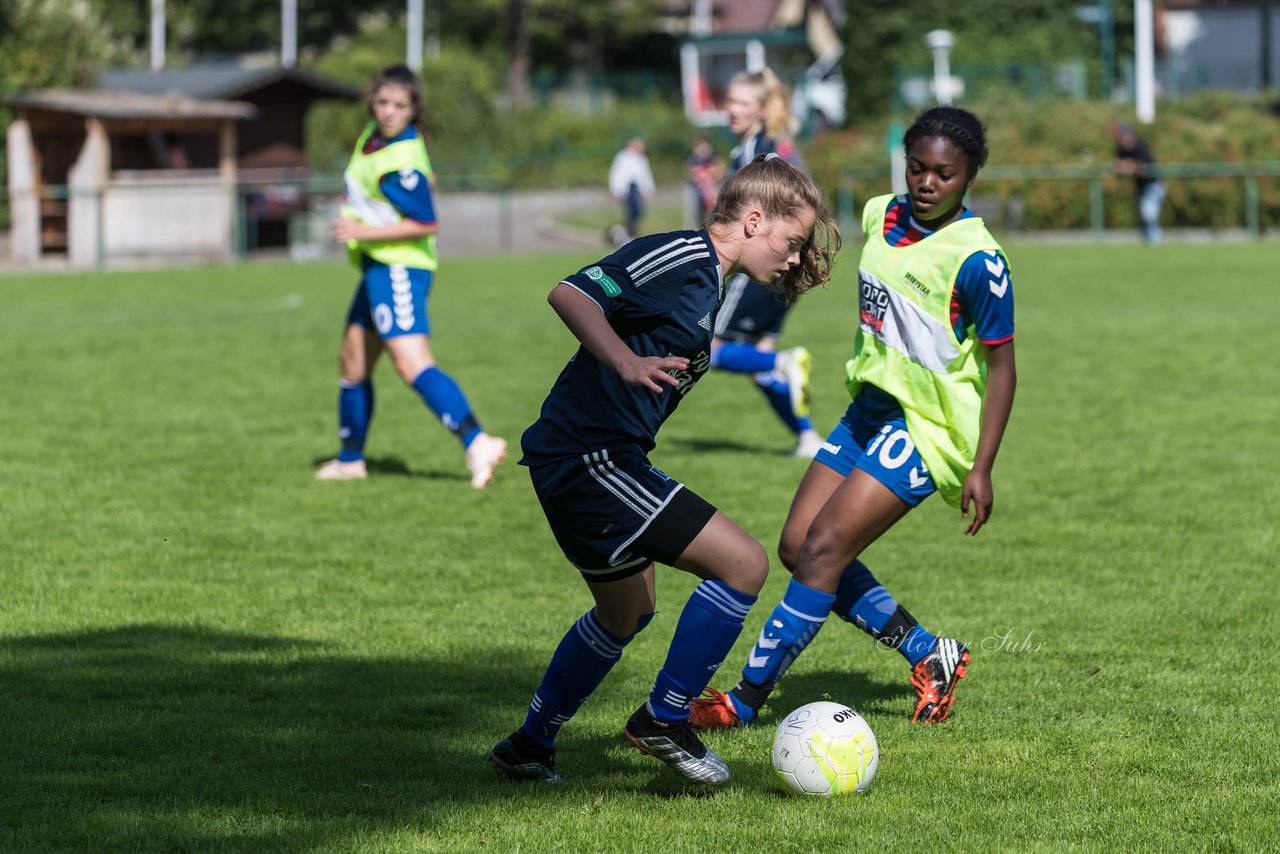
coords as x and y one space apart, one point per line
725 446
172 737
396 467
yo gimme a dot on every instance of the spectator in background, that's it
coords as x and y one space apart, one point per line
631 183
703 169
1133 157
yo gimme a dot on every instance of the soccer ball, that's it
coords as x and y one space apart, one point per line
825 749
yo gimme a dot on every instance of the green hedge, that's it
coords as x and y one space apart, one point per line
1207 129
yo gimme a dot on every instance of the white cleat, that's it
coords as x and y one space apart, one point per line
795 364
338 470
808 445
483 455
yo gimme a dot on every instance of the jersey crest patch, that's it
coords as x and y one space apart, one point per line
598 276
409 178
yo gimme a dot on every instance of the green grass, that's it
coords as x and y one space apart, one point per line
203 648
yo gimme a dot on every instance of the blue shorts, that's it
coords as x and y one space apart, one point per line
749 312
613 514
391 300
873 436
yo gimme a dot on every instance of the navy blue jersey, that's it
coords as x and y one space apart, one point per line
660 294
746 150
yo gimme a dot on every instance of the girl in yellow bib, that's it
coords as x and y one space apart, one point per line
932 378
388 224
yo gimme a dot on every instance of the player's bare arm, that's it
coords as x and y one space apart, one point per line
1002 382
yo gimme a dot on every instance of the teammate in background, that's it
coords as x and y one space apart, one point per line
932 379
388 222
704 170
1133 157
631 183
750 321
643 317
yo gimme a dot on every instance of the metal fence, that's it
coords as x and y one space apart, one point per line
294 215
856 186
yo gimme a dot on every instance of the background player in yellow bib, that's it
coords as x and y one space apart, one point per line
388 223
932 378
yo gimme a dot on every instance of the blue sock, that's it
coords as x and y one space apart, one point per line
355 411
778 393
709 624
584 657
789 629
861 600
743 359
446 400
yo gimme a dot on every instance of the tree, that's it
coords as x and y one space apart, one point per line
884 34
519 59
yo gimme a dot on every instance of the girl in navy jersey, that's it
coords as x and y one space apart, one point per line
748 326
643 317
388 223
932 378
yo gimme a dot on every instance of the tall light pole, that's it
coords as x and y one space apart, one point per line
413 51
157 35
288 33
941 42
1144 61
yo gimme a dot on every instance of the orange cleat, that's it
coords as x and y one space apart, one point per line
713 710
934 678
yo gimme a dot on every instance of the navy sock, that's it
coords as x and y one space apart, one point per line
709 624
584 657
743 359
355 411
862 600
792 625
445 398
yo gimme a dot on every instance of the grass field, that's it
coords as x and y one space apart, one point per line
203 648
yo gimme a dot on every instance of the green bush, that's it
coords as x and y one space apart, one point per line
472 140
1209 130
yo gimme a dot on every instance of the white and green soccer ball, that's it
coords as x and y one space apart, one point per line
825 748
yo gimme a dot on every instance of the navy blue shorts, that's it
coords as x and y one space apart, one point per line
392 300
749 312
873 436
613 514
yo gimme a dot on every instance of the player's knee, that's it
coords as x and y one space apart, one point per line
822 558
752 569
789 545
641 622
624 625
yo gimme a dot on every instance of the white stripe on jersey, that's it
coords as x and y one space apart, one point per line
642 501
666 257
909 329
733 291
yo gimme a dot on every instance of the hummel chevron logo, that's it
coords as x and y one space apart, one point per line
918 480
763 643
999 278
